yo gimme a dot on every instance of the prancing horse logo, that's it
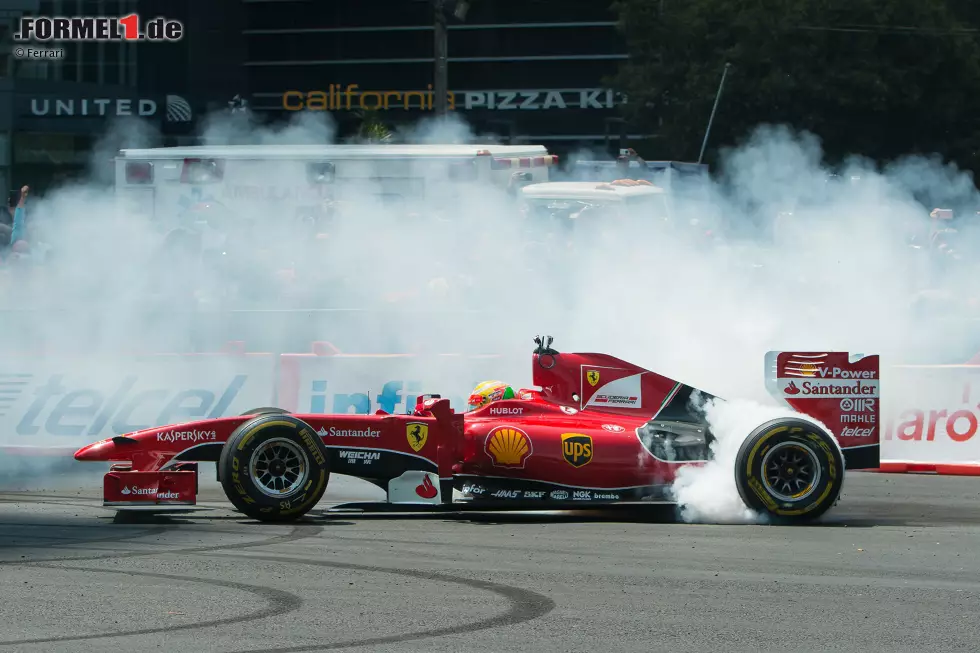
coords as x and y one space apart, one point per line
417 433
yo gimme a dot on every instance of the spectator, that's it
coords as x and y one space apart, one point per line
7 221
18 231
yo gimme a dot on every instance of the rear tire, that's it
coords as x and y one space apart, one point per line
789 469
274 468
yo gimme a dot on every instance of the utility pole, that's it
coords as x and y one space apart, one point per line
441 86
711 120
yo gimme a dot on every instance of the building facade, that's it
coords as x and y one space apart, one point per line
531 71
66 116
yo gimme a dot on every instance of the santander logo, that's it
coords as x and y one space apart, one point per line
426 490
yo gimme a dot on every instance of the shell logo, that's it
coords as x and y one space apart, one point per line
808 369
508 447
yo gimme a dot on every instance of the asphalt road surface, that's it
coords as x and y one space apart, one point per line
895 567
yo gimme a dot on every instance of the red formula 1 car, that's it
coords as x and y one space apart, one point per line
595 430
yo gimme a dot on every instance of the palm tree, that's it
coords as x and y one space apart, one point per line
372 128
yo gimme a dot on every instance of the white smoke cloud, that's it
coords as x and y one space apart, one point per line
459 272
708 493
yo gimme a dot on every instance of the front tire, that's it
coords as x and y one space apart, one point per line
274 468
265 410
789 469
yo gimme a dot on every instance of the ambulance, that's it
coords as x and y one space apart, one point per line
264 180
572 200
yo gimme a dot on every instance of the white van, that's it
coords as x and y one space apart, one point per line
272 179
589 199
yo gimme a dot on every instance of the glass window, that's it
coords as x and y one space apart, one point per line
529 74
337 13
395 77
69 68
540 11
90 72
113 69
25 69
339 46
47 148
416 76
419 44
534 42
4 150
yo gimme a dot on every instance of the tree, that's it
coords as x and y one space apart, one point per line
372 128
852 73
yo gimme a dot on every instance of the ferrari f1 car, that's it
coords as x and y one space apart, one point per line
595 430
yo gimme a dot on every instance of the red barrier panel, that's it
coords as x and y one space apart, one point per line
943 469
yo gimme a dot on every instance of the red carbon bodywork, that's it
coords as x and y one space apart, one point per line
593 422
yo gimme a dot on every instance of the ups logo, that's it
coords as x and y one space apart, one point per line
576 448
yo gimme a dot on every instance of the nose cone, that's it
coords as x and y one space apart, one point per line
95 452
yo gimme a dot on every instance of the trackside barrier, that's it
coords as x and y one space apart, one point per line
931 419
327 381
895 467
50 404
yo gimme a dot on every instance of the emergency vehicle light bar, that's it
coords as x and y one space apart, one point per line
524 162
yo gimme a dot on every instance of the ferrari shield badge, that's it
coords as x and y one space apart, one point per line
593 377
417 433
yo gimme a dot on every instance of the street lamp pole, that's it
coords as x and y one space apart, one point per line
441 85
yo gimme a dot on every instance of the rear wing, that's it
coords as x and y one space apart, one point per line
838 389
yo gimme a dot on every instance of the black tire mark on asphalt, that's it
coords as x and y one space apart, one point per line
20 495
295 533
280 603
525 605
65 504
146 532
